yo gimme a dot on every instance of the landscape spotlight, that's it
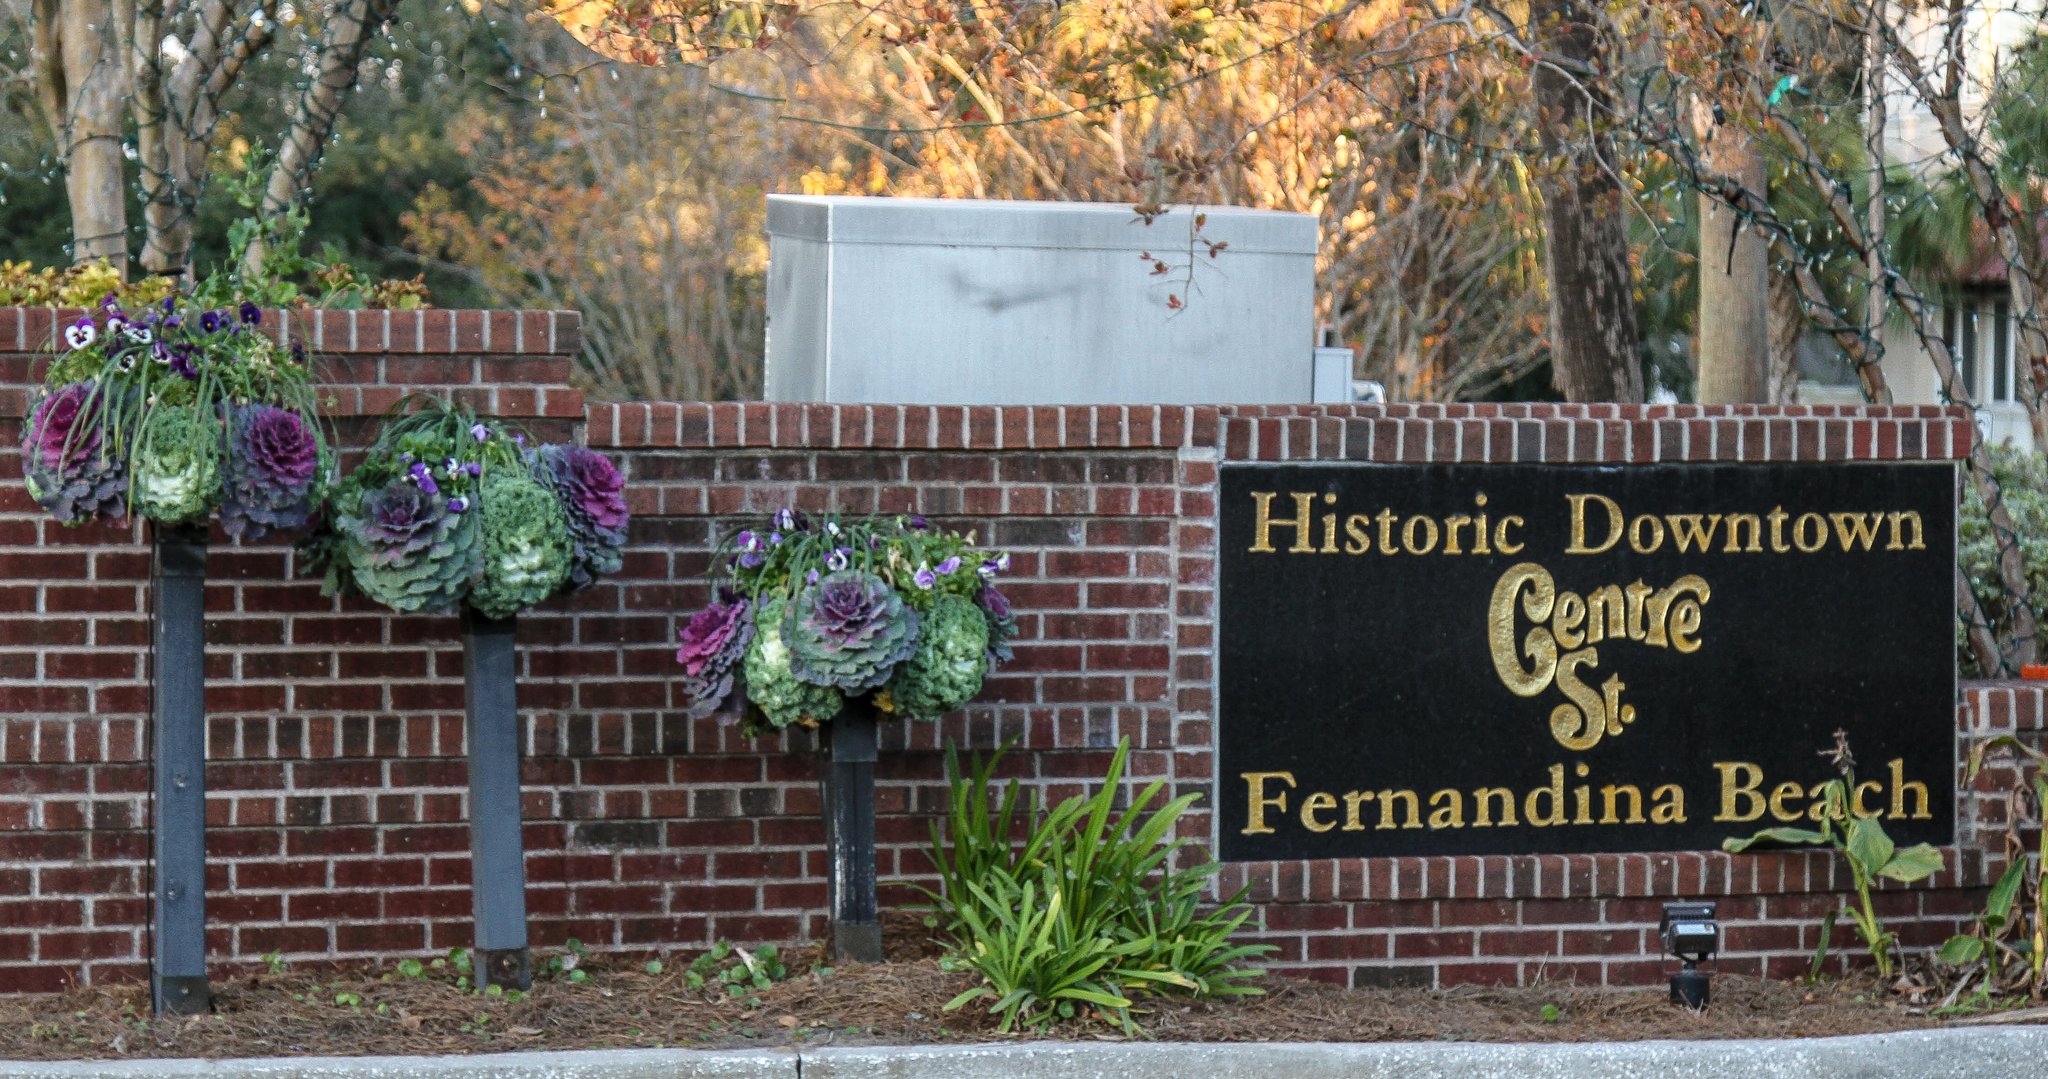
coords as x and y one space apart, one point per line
1691 934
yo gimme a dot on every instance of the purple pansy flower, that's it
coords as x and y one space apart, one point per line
457 505
924 576
251 314
209 321
479 432
949 566
839 559
81 333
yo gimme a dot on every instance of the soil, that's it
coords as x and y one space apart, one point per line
618 1003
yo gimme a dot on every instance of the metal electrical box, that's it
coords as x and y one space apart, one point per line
953 301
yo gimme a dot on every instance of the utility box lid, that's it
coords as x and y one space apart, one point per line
954 301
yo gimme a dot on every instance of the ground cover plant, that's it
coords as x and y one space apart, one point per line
1092 910
810 613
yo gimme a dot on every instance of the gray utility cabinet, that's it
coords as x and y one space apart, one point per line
953 301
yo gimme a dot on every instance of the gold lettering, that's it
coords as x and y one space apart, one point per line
1406 798
1264 523
1606 614
1899 786
1635 534
1564 624
1555 793
1451 526
1314 804
1479 530
1408 535
1610 793
1386 522
1354 801
1778 517
1779 795
1740 779
1637 593
1863 788
1500 629
1686 530
1500 535
1577 726
1582 797
1857 528
1329 527
1614 522
1447 809
1895 520
1819 533
1618 714
1483 800
1357 532
1256 824
1817 795
1668 804
1756 532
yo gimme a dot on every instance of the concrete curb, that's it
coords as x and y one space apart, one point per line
1974 1053
577 1064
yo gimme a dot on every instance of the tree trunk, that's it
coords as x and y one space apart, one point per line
344 42
88 105
1734 345
1788 327
1593 346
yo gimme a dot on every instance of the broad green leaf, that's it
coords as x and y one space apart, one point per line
1773 835
1960 950
1868 844
1999 903
1917 862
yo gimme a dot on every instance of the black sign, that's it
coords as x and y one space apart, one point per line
1488 659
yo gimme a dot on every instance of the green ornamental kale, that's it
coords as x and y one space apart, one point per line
849 630
177 465
951 658
525 543
407 549
772 684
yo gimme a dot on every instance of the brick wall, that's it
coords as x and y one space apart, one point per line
335 735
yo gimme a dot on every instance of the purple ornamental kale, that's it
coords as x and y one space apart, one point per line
398 522
849 631
593 498
1002 626
272 463
61 458
713 643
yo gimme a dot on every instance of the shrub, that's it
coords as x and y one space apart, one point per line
1088 912
2023 476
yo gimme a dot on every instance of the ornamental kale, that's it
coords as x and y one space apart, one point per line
593 497
71 469
772 684
712 645
407 549
890 609
271 472
142 394
848 630
448 509
177 470
525 544
951 658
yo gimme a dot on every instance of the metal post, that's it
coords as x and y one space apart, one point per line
497 851
850 833
177 705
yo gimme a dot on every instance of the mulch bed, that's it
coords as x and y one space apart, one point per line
295 1012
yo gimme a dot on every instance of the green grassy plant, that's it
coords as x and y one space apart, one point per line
1087 912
